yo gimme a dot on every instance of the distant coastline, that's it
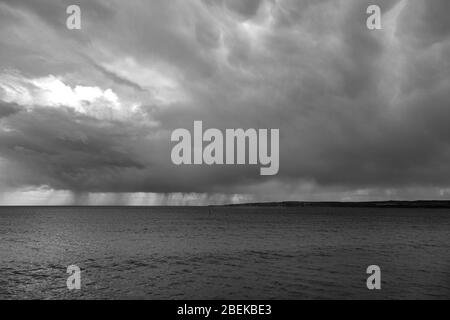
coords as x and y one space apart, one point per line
421 204
370 204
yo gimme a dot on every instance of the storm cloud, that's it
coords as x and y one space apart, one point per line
363 115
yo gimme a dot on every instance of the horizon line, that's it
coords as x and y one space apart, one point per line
378 204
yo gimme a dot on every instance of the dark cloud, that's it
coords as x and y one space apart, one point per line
118 79
246 9
7 109
68 151
361 113
425 22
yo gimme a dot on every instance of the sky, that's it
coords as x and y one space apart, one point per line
86 115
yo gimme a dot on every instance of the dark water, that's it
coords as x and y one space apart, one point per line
229 253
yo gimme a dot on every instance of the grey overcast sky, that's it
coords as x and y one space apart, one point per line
86 115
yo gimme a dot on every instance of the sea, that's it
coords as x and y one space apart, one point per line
224 252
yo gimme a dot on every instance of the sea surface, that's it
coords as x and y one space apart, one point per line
224 253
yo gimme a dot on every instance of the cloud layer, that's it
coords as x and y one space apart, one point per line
87 115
